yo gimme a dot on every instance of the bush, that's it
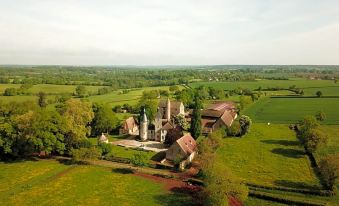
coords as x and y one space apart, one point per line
139 159
83 154
234 130
329 169
245 124
105 148
10 92
313 139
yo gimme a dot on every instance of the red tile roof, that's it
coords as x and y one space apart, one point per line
187 143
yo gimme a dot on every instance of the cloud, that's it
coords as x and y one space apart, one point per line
168 32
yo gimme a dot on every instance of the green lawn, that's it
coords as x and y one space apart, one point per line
124 152
290 110
47 182
268 155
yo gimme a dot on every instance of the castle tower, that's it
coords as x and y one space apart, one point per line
143 126
168 110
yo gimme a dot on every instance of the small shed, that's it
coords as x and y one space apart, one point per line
103 138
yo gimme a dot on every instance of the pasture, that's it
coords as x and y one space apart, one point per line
119 98
290 110
48 182
273 156
328 87
332 146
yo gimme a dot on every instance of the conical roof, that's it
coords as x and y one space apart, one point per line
143 116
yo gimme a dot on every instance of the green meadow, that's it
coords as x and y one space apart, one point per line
328 87
48 182
290 110
119 98
268 155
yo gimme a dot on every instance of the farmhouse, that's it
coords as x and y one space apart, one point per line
182 149
129 126
217 115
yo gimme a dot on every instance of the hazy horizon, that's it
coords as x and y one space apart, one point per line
169 33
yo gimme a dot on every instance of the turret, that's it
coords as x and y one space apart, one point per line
143 126
168 110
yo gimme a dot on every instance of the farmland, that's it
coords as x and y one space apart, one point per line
290 110
48 182
117 97
328 87
274 156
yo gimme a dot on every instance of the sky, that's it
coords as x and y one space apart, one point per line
169 32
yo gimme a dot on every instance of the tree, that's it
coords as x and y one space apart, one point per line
221 186
150 102
78 116
81 91
313 139
10 92
329 169
319 94
245 124
196 119
244 101
104 119
173 88
181 121
309 122
42 99
320 116
254 97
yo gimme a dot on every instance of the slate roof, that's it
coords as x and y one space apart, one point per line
174 104
167 126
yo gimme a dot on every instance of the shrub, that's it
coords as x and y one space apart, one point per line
139 159
313 139
245 124
320 116
105 148
83 154
329 169
234 130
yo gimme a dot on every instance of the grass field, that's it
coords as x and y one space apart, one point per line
50 88
268 155
290 110
328 87
48 182
332 146
117 98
